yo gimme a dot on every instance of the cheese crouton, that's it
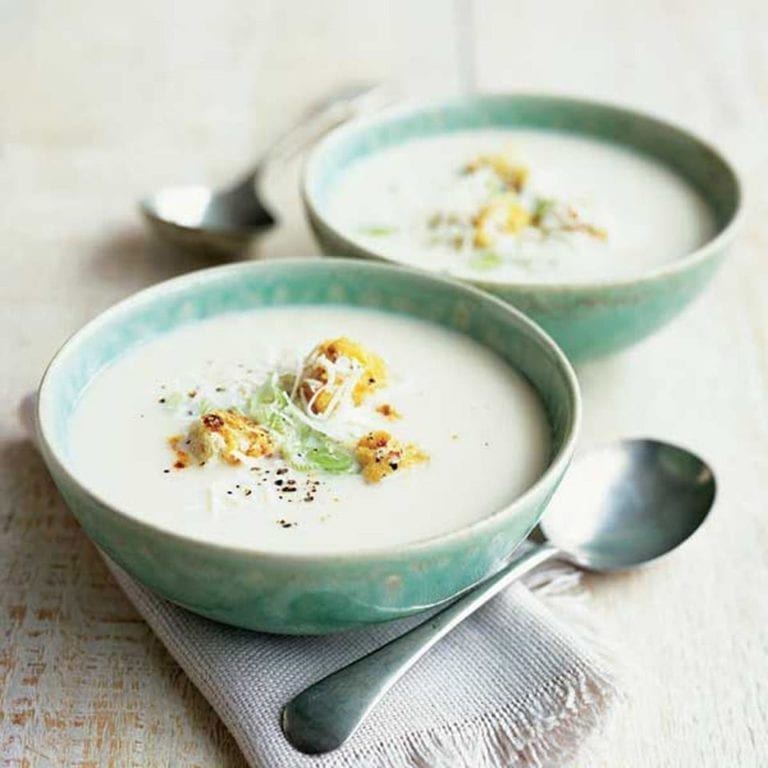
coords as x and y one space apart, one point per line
505 165
503 215
230 436
380 454
318 386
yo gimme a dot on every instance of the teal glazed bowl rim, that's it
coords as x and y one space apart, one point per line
320 162
51 444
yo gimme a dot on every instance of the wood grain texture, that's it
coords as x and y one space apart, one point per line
113 99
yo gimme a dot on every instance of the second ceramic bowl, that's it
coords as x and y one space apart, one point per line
586 319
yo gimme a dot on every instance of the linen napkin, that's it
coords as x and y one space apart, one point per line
513 685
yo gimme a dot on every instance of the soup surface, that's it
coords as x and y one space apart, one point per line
299 429
521 206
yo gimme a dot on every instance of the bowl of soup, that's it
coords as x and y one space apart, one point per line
598 222
309 445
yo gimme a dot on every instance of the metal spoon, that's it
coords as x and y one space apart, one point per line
619 507
224 222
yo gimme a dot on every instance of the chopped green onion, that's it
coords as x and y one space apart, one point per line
330 456
303 447
173 400
315 451
485 261
379 231
543 206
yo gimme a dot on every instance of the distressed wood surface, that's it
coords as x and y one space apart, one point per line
104 101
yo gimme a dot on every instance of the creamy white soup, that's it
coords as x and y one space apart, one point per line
304 429
520 206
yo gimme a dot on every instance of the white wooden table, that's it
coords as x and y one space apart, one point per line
101 101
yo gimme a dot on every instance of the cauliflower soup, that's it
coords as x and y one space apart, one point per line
519 206
307 429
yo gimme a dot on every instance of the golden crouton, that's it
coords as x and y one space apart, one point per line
388 411
380 454
182 456
505 165
228 435
372 377
505 213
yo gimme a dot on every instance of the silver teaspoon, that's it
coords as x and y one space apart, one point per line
224 222
619 507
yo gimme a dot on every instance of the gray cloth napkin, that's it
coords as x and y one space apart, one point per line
510 686
513 685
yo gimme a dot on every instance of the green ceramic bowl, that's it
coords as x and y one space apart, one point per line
305 594
586 319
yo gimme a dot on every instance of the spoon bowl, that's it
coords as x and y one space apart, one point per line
627 504
225 222
202 220
198 206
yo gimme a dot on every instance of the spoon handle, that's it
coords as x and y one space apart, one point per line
337 107
323 716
